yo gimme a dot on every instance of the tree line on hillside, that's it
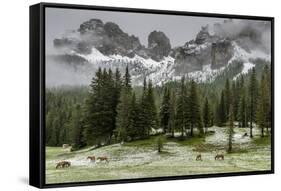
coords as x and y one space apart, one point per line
113 112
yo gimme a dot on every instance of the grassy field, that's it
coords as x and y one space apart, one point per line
140 159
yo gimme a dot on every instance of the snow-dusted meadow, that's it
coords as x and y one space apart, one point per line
140 159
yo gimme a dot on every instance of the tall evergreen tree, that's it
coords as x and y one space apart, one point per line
267 74
242 104
127 78
206 115
123 115
181 109
242 111
253 92
165 110
230 129
151 111
76 127
133 131
222 109
264 105
99 109
123 121
194 109
116 94
227 97
172 114
235 98
143 112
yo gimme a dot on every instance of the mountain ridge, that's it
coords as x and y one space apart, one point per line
96 44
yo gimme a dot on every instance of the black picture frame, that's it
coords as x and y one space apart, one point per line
37 93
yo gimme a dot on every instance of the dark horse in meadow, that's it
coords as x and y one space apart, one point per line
103 159
92 158
63 164
199 157
219 157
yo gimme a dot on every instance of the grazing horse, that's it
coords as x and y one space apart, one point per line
219 156
199 157
103 159
92 158
63 164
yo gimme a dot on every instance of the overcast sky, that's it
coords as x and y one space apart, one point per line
179 29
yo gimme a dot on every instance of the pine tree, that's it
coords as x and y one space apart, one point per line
194 109
76 127
253 100
222 109
241 101
123 121
227 96
206 115
127 78
123 114
242 111
230 129
264 105
181 109
172 114
212 118
151 111
235 98
116 95
165 110
143 123
267 74
99 117
133 131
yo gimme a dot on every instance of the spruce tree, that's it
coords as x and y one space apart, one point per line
127 78
116 94
123 121
227 96
181 109
263 106
230 129
172 114
267 74
99 113
253 100
222 109
206 115
143 123
165 110
133 131
76 127
242 111
235 98
194 109
152 116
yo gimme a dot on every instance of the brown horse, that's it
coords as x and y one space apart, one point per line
103 159
219 156
63 164
92 158
199 157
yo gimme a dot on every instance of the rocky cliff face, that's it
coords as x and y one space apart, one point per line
221 53
204 50
158 45
96 44
108 38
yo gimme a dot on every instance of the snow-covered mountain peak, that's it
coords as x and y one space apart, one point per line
96 44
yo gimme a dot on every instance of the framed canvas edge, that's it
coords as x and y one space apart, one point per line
34 169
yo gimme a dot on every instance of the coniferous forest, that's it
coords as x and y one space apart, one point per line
110 110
